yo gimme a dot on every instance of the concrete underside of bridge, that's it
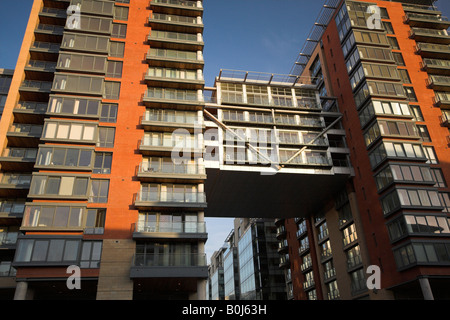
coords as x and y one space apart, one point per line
231 193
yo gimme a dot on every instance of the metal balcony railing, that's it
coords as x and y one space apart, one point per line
171 168
176 227
169 260
180 197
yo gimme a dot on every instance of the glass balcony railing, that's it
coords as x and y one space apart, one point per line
183 3
27 129
173 95
438 80
9 179
22 153
308 284
427 17
329 273
333 295
50 46
349 239
177 227
54 11
180 197
171 168
428 32
173 54
43 65
169 116
12 207
176 19
170 260
37 85
175 36
50 28
31 106
435 63
8 238
174 74
6 269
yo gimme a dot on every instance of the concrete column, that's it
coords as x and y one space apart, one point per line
21 290
426 289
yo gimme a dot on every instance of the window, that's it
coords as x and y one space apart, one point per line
48 251
53 216
119 31
398 57
404 75
99 191
59 186
106 137
394 43
84 42
403 173
410 94
116 49
121 13
416 112
112 90
114 69
70 131
91 252
81 62
415 198
102 163
95 24
423 131
64 157
78 84
438 177
95 221
108 112
73 106
430 154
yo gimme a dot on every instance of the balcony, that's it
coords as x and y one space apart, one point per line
169 266
30 112
169 120
424 9
283 246
429 35
192 60
14 185
176 40
306 265
24 135
442 100
177 7
186 200
428 50
31 90
8 239
18 159
49 32
284 261
176 23
161 97
329 274
175 78
6 269
438 83
170 230
166 145
333 295
426 21
12 209
445 119
40 50
309 284
436 66
171 172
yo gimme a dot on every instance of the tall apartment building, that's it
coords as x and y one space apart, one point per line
389 73
86 143
247 266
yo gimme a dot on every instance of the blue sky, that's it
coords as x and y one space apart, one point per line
251 35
